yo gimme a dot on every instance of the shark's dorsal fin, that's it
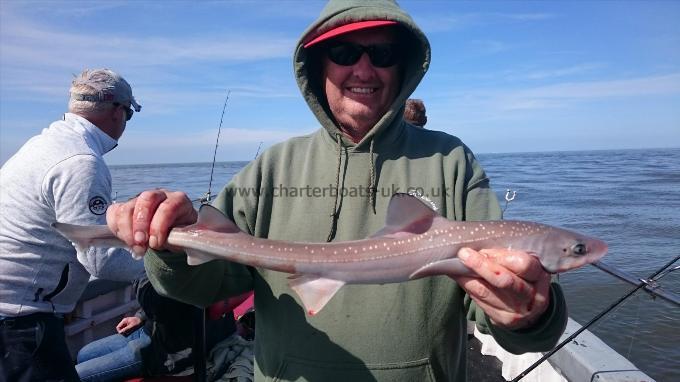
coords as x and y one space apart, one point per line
211 218
407 214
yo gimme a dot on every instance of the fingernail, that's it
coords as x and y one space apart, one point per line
153 242
464 254
138 250
140 237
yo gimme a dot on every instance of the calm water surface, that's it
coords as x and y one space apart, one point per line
629 198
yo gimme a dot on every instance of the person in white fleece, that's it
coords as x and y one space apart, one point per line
58 175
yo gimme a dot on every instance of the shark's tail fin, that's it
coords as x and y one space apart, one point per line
84 237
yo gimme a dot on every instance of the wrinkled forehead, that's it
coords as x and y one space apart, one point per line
380 35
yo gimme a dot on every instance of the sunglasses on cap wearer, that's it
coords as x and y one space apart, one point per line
128 110
347 54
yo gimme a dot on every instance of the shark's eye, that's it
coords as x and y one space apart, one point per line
579 249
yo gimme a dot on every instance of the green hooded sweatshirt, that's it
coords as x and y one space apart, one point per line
411 331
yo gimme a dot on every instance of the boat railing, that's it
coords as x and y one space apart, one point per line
103 304
586 358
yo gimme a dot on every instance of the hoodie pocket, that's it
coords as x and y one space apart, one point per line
299 369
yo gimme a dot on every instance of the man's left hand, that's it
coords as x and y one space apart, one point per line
128 324
513 289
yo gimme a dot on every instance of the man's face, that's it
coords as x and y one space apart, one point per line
120 120
360 94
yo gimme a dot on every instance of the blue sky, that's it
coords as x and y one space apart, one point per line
505 76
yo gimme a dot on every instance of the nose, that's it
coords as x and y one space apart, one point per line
363 69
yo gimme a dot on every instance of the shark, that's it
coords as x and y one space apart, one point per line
415 242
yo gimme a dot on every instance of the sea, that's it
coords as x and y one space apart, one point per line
628 198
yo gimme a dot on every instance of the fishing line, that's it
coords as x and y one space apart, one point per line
639 286
635 326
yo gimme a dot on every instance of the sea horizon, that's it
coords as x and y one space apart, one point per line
476 154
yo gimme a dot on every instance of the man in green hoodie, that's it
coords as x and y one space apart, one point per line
356 66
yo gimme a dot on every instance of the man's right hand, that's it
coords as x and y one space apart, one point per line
145 221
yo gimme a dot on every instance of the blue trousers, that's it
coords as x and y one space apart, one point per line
113 358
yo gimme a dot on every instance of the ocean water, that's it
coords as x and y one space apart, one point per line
629 198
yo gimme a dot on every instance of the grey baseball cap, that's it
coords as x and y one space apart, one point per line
109 87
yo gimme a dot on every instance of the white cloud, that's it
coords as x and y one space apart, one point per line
562 94
560 72
234 144
443 22
577 91
25 44
37 61
489 46
525 16
207 137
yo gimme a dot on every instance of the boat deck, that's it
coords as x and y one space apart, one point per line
481 367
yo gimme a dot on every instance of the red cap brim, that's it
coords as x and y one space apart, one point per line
349 28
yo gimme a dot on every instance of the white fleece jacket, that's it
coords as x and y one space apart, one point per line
59 175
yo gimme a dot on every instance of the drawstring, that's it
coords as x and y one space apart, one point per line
372 189
334 213
372 185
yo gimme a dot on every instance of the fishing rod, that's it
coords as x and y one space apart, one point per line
207 197
652 286
200 370
655 276
258 150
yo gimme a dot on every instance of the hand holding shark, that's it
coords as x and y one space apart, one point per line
513 290
145 221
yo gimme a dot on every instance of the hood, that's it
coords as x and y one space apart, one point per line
307 61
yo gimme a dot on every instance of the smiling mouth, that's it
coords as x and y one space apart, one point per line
358 90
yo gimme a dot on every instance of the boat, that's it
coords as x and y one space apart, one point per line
585 358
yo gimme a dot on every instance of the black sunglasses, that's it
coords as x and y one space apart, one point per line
347 54
128 111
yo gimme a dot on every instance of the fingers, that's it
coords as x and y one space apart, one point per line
489 270
118 218
481 291
502 309
145 221
522 264
535 280
512 287
175 210
122 325
144 211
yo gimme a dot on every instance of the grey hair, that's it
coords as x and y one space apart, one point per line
83 84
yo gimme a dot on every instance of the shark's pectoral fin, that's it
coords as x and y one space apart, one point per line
197 257
314 291
448 267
